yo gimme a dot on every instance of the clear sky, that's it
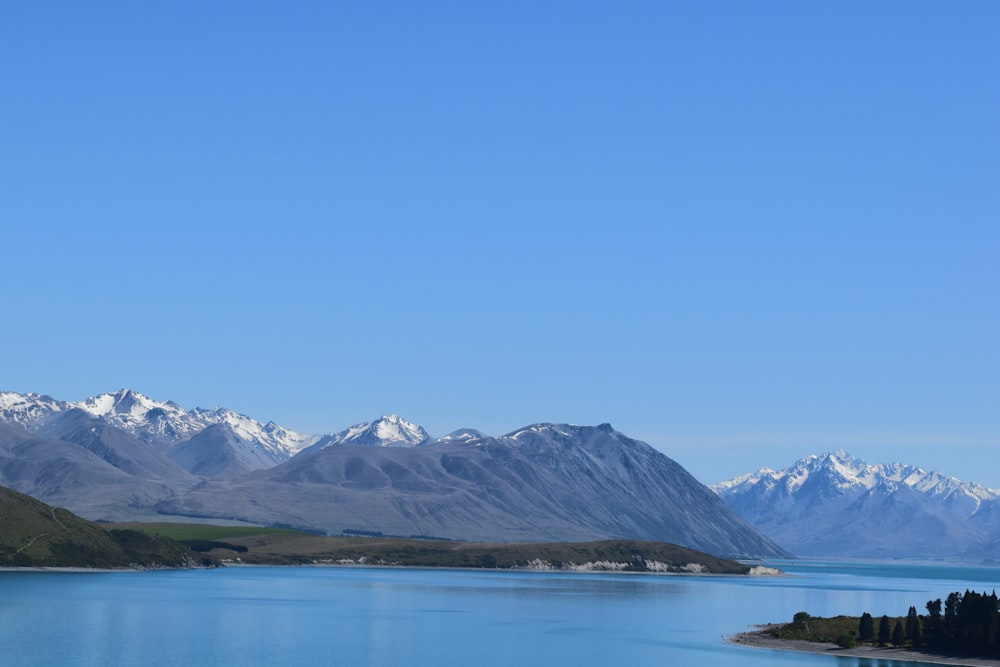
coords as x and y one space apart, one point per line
744 232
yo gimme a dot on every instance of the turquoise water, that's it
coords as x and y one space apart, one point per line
362 616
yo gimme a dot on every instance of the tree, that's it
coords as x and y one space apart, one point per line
884 634
913 626
933 628
950 625
970 625
898 634
866 628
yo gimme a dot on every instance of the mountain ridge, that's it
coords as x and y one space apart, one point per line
162 424
835 504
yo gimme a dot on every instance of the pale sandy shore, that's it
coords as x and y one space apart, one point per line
758 639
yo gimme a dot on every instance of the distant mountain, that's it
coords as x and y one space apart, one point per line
116 446
33 534
162 425
270 441
70 474
27 409
837 505
150 421
387 431
217 452
462 435
547 482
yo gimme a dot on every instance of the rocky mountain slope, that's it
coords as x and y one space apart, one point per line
547 482
838 505
71 475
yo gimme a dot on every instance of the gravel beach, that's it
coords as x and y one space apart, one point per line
760 639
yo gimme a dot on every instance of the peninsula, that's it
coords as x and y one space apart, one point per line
235 545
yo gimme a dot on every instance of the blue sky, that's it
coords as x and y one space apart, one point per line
742 232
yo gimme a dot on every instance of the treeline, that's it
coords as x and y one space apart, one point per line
969 624
964 624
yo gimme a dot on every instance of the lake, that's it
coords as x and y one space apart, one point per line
384 616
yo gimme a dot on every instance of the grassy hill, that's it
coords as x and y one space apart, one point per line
33 534
271 546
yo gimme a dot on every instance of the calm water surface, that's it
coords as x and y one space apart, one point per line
360 616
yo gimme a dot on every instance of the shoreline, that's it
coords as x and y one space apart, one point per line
237 563
758 639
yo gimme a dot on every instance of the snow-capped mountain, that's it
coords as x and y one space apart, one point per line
148 420
281 442
462 435
246 444
27 409
386 431
163 425
838 505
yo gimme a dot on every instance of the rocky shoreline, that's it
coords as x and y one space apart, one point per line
760 638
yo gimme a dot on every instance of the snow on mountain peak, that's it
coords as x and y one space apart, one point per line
836 505
149 420
393 428
164 424
545 428
462 435
840 472
386 431
26 409
278 441
161 424
124 402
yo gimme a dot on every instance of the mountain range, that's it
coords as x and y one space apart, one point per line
124 456
836 505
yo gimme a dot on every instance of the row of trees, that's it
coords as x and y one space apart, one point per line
969 624
904 631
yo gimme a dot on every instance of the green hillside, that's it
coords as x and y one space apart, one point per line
33 534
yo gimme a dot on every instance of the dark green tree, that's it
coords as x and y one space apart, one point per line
976 624
949 626
898 634
932 629
913 626
970 625
884 633
866 628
